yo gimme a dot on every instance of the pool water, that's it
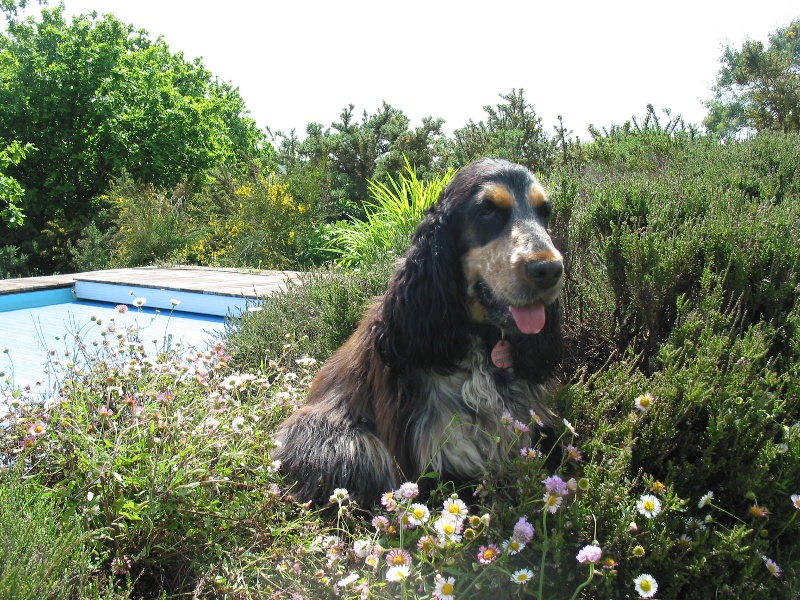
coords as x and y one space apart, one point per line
38 327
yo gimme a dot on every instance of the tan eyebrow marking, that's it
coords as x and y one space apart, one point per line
499 195
537 196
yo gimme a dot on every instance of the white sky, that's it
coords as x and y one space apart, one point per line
302 61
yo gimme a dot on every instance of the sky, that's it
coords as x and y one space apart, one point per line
302 61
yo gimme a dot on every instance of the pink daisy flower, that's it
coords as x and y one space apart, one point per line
398 557
488 554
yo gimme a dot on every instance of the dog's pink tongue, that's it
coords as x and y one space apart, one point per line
529 319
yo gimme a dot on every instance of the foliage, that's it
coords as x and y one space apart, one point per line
251 220
11 192
680 286
680 470
159 460
640 239
151 224
758 88
96 97
44 552
12 263
390 219
310 318
92 251
512 131
229 219
639 146
721 419
342 158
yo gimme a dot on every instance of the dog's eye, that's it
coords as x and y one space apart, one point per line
489 212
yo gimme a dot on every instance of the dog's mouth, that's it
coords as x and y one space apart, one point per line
529 318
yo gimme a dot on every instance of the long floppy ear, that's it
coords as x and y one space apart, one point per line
424 309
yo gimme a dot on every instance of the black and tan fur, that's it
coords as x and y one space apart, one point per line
414 389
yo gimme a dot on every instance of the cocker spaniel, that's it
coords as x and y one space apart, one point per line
465 339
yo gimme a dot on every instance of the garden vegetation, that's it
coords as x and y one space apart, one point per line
677 468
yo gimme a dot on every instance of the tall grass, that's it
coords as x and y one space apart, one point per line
395 211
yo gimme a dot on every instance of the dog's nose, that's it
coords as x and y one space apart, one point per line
545 273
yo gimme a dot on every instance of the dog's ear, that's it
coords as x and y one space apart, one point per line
424 310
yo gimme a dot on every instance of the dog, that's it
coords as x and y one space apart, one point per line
464 342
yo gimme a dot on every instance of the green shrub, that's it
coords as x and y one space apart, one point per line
639 240
12 263
44 551
90 252
311 318
251 220
683 283
723 419
150 226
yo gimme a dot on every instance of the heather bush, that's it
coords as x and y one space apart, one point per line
639 240
310 318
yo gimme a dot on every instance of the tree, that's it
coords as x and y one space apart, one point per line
512 131
99 98
11 192
342 158
758 88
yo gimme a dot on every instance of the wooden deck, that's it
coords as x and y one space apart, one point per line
204 280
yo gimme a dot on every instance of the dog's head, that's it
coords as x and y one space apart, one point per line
481 255
511 268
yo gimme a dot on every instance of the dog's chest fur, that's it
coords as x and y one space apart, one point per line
459 429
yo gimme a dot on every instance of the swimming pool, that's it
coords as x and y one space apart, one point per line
39 326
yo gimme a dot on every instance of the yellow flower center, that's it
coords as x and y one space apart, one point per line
398 560
448 589
649 505
645 585
488 554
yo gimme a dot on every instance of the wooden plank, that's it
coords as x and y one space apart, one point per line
209 280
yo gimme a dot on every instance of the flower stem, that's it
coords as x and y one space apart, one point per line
789 522
545 544
585 583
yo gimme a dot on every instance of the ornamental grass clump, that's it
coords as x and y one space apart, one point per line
391 217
